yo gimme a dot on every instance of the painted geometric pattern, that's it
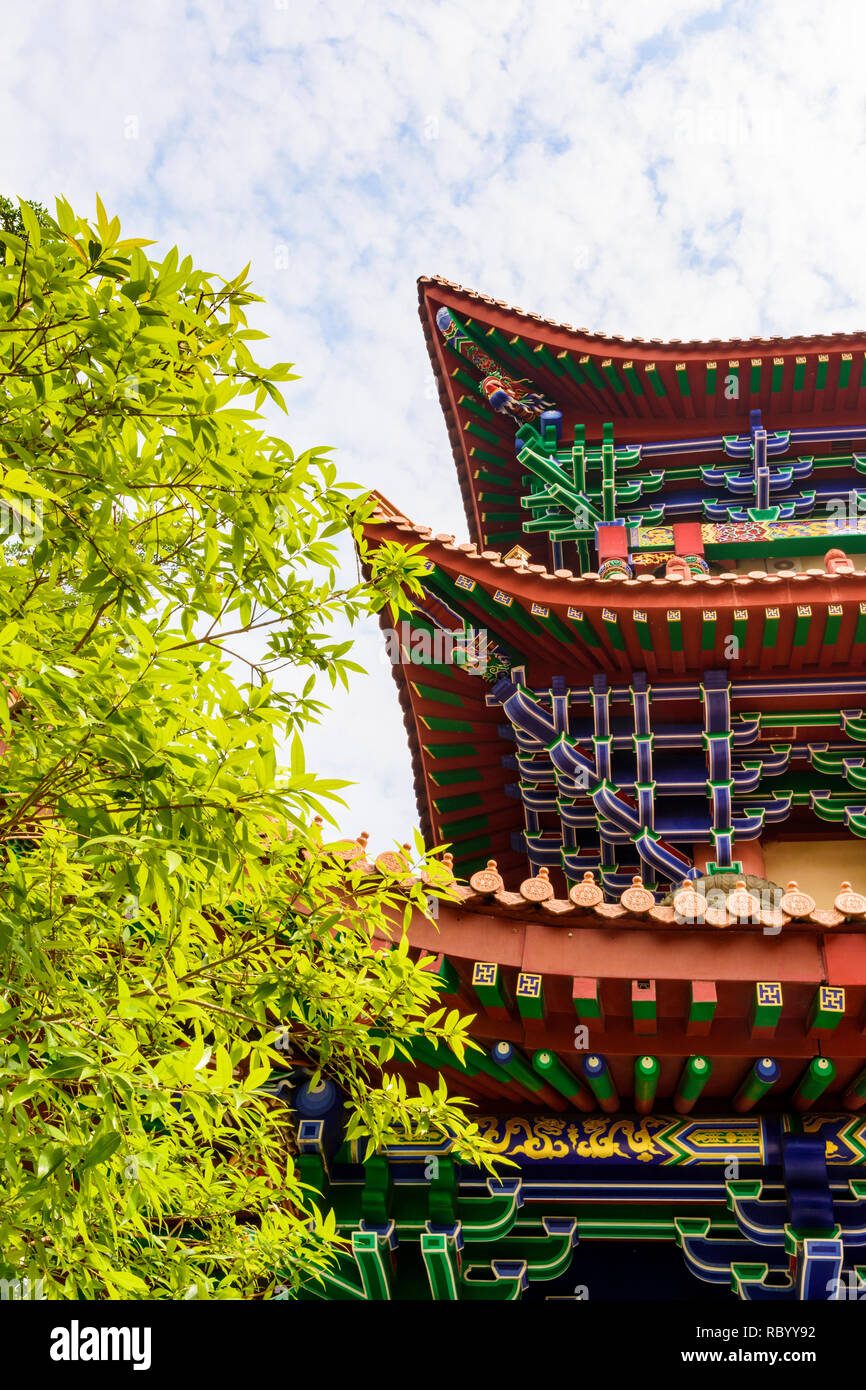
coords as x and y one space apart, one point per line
665 1140
832 1000
484 973
529 986
634 790
769 995
734 532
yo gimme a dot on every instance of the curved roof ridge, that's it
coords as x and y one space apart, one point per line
387 512
702 344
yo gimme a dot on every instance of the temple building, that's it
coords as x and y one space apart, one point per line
635 699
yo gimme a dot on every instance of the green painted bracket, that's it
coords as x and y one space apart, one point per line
628 492
690 1227
837 765
545 1257
439 1253
487 1218
854 724
795 1236
743 1190
376 1197
311 1171
828 807
442 1194
338 1282
746 1276
651 482
654 517
826 764
548 470
371 1251
506 1286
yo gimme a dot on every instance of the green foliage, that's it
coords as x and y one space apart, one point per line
168 912
12 221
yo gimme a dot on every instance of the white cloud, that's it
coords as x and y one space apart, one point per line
668 170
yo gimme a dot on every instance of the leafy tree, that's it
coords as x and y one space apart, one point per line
12 221
168 909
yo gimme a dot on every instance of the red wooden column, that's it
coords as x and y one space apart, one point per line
689 540
613 557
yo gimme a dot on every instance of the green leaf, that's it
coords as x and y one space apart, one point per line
31 224
101 1150
50 1160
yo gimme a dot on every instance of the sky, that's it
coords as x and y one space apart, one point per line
671 170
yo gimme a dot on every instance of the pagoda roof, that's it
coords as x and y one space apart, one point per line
434 284
537 579
527 964
535 902
650 390
580 627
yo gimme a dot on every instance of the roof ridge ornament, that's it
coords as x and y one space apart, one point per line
586 893
795 903
742 905
357 851
487 881
388 863
850 903
689 904
537 889
637 898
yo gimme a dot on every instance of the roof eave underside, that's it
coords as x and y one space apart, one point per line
649 415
